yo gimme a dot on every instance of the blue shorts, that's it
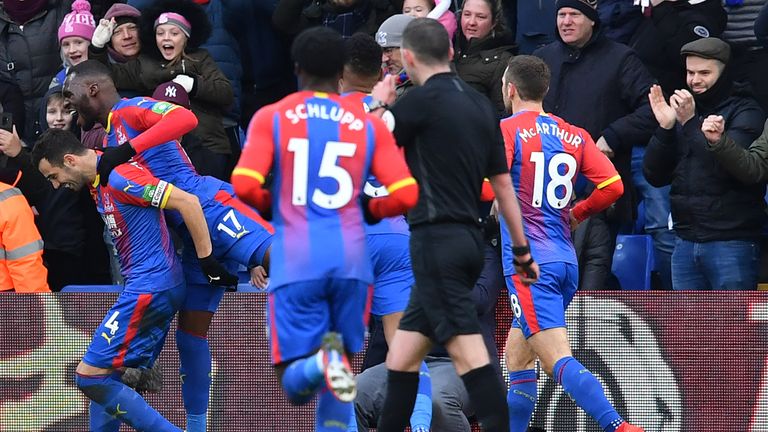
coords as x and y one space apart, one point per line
238 233
542 306
393 276
300 313
133 329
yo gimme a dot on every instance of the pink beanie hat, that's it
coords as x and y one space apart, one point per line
79 22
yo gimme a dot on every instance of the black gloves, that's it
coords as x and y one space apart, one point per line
112 157
216 273
369 218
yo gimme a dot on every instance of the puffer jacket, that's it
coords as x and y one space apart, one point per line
708 203
481 64
30 57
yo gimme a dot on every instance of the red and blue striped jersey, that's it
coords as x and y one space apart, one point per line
167 161
131 208
545 154
321 149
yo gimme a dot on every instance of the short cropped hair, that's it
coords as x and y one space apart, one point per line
53 144
530 75
90 69
319 52
428 40
363 55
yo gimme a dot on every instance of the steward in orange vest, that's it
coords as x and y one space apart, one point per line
21 248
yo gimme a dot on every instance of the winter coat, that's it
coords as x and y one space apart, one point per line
30 57
603 88
481 64
210 97
708 203
21 248
670 26
748 165
221 45
535 24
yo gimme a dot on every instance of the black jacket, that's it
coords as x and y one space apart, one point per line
708 204
603 88
481 64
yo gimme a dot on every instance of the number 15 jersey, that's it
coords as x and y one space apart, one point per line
545 154
321 149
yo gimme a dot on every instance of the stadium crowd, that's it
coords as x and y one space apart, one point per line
671 92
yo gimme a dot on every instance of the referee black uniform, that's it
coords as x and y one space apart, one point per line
452 141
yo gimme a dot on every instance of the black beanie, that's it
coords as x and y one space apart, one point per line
587 7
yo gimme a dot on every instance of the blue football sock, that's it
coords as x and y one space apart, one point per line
195 373
521 399
421 418
332 415
100 421
587 392
123 403
302 378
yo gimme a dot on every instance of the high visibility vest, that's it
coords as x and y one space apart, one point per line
21 248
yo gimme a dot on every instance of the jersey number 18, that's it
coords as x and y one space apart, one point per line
555 179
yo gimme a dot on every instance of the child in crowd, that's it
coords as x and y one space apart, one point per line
75 35
435 9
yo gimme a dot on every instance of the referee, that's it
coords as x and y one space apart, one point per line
452 141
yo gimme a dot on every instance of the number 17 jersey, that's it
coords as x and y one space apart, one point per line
545 154
321 149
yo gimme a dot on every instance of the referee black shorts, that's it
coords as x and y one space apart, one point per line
447 260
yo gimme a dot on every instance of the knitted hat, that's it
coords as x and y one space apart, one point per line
390 32
587 7
175 19
79 22
122 13
172 92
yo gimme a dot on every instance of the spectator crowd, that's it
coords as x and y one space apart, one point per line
671 91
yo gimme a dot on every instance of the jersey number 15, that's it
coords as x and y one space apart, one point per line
328 169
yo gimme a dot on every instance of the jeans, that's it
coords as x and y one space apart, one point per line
450 400
717 265
657 211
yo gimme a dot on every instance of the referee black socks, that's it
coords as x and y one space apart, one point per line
399 402
486 392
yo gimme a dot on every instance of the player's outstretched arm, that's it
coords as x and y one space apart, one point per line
189 207
526 267
255 162
161 122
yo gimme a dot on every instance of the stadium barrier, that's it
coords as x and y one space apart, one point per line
669 361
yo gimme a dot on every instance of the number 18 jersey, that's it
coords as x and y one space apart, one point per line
321 149
545 154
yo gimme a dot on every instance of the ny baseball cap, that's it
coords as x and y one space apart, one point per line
172 92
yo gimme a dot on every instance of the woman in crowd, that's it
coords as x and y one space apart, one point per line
482 48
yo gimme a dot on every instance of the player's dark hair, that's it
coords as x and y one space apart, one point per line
92 69
363 55
428 40
53 144
319 52
530 75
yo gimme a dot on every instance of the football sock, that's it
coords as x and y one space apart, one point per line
587 392
421 417
100 421
398 404
195 374
123 402
521 399
332 415
486 392
303 377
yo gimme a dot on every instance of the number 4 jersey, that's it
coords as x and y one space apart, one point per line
545 154
321 149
